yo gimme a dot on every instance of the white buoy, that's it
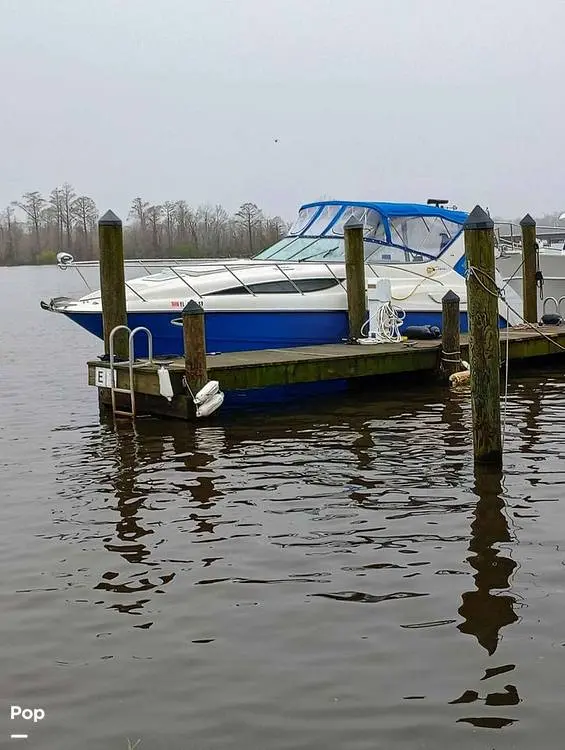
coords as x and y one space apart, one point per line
210 405
210 389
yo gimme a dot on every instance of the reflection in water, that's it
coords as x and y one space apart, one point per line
486 613
530 427
457 437
195 450
130 500
138 453
365 498
487 722
333 483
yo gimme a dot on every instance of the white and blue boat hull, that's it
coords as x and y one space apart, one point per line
294 293
242 331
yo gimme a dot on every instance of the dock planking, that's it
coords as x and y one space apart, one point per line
310 364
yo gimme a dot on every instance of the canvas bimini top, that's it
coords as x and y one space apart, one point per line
393 232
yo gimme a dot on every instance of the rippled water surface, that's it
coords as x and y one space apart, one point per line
330 576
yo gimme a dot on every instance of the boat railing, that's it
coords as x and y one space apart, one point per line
556 302
176 266
184 270
66 260
508 236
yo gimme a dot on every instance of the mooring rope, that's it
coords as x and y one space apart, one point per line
445 357
506 377
499 294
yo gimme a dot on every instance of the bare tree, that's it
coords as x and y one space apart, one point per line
67 197
53 213
154 215
67 220
32 204
273 230
169 212
85 215
218 225
249 216
9 237
192 226
182 212
138 211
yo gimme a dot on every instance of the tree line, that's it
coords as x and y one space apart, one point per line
36 227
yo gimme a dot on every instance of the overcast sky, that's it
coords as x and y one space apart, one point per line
281 102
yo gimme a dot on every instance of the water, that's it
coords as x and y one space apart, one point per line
331 577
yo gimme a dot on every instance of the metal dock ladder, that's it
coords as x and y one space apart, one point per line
131 364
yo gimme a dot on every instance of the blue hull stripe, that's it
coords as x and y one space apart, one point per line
241 331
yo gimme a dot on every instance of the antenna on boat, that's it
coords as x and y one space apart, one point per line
437 202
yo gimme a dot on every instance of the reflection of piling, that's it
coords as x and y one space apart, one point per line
529 268
484 347
450 334
486 613
355 277
112 282
194 336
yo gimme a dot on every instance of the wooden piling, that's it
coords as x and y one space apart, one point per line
355 277
484 347
112 282
529 268
450 334
194 337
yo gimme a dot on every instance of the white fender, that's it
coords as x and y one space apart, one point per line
165 387
206 392
209 406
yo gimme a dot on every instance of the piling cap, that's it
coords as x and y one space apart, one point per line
353 223
450 296
527 221
193 308
110 220
479 219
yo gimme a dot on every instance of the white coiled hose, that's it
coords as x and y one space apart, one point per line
384 325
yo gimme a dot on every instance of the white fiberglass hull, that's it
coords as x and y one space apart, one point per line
256 304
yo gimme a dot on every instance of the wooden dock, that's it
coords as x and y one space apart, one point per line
187 388
309 364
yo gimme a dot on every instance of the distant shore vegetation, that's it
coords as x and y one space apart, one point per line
34 228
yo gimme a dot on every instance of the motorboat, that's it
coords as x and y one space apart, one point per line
550 261
293 293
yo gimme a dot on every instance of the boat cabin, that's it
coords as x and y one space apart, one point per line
393 232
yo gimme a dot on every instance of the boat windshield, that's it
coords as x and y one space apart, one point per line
305 216
412 238
391 233
323 249
304 248
323 221
373 227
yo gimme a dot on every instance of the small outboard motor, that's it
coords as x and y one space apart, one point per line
421 332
